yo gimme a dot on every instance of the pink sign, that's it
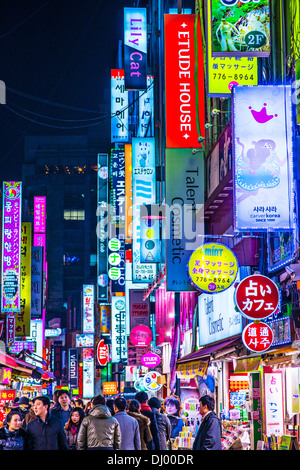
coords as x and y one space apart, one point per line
11 246
39 214
141 336
150 360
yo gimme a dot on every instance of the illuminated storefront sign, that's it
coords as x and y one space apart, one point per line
84 340
264 197
39 217
146 110
119 107
118 329
257 336
116 263
109 388
135 48
88 308
117 192
257 297
274 403
181 107
22 322
36 281
151 381
243 32
143 192
212 268
150 240
217 316
141 336
102 235
139 308
150 360
73 368
128 193
185 176
88 372
105 319
281 249
102 353
225 72
11 246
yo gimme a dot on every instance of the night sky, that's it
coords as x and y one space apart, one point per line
54 51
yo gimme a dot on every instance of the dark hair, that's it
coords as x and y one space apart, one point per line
81 416
154 403
208 401
62 392
134 406
120 403
173 400
78 400
10 415
142 397
98 400
110 405
44 399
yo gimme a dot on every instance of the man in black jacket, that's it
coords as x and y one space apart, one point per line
142 398
45 432
210 431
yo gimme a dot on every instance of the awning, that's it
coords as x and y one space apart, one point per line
252 362
205 353
188 370
7 360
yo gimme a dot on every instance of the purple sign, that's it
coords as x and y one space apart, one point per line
11 246
150 360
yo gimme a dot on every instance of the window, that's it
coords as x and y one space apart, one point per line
74 214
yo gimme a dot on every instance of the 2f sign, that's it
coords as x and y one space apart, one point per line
2 92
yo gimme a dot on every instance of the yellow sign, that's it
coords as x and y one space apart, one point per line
22 325
212 268
225 72
190 369
109 388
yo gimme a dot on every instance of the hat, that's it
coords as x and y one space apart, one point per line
23 401
14 406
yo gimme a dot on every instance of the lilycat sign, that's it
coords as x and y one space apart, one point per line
135 48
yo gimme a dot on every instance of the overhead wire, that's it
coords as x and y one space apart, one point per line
25 19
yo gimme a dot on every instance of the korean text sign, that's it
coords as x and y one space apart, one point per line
22 325
11 246
118 329
240 28
180 59
88 308
257 336
119 107
263 158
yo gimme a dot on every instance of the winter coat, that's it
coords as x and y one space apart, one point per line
13 440
99 429
164 428
130 433
59 413
29 417
209 433
72 438
46 435
177 424
146 411
144 428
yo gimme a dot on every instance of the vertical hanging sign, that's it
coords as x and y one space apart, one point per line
22 325
135 48
181 92
11 246
88 308
264 196
102 235
119 107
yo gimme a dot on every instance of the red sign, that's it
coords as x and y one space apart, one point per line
257 337
257 297
141 336
102 353
180 62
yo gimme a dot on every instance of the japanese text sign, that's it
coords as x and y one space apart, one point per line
263 158
274 403
22 325
11 246
257 337
212 268
257 297
88 308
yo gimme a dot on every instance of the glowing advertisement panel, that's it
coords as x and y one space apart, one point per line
36 281
146 110
128 193
119 107
143 192
118 329
11 246
274 403
39 214
180 95
88 308
263 158
135 48
88 372
22 325
102 235
240 28
225 72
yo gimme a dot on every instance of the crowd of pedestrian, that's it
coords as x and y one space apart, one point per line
113 424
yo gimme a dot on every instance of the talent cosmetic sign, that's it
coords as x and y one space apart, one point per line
263 158
217 316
